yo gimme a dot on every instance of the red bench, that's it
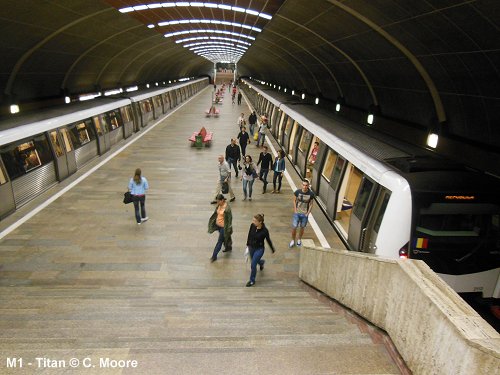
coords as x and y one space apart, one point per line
212 112
205 136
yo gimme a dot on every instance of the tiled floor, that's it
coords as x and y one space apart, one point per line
82 280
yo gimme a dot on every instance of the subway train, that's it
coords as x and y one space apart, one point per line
388 198
41 149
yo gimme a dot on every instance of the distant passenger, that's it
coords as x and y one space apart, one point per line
255 242
278 169
233 155
248 175
303 200
252 120
224 176
244 141
262 134
265 161
138 186
312 159
239 97
221 221
241 120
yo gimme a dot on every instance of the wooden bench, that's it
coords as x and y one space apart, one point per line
206 137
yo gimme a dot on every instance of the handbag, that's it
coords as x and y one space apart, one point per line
256 136
127 197
225 187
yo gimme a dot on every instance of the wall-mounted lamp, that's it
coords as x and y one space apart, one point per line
432 140
337 107
374 110
14 108
303 96
293 92
433 136
279 88
316 101
147 85
284 90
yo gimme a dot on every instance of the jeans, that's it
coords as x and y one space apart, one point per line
219 243
256 255
139 199
234 163
263 176
299 220
252 126
243 148
261 136
279 177
248 183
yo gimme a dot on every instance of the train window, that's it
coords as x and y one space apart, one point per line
20 158
291 142
465 225
337 172
126 114
363 197
66 139
330 161
55 143
289 122
146 106
102 124
280 127
381 212
114 119
81 133
305 141
3 175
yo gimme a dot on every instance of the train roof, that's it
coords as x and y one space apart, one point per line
145 94
40 121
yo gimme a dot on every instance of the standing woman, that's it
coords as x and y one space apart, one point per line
278 169
137 187
248 176
255 242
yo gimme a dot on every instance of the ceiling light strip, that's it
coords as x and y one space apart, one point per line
141 7
168 35
213 22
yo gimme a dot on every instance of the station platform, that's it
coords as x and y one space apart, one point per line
79 279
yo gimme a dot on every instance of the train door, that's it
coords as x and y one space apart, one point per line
279 129
369 232
361 212
329 184
286 132
346 194
157 107
274 119
128 121
64 155
292 147
303 146
102 131
6 194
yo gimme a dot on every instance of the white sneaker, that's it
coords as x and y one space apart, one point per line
145 218
138 223
292 243
299 243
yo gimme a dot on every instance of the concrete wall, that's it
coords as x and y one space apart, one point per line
435 331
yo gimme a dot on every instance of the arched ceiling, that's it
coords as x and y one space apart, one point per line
427 63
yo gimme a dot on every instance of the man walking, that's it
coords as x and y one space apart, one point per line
233 155
267 160
239 97
224 176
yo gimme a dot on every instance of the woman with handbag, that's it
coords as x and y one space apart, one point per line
255 243
248 176
138 186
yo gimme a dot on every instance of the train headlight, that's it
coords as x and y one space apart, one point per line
403 252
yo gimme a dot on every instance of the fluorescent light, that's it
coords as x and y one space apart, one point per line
303 96
337 107
151 26
153 6
147 85
126 10
432 140
133 88
111 92
140 7
293 92
14 108
369 119
316 101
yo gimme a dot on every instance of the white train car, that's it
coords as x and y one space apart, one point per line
389 198
39 150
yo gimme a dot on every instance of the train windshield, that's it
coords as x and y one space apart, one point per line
458 238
